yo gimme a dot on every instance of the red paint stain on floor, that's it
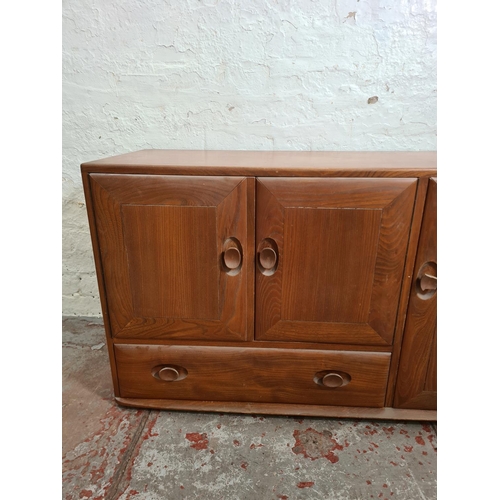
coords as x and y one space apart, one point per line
420 440
85 494
368 482
236 442
200 441
253 446
305 484
313 445
244 465
408 449
282 497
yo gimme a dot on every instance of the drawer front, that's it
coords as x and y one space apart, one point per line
252 375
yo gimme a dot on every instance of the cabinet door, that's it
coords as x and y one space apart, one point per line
177 255
330 258
417 376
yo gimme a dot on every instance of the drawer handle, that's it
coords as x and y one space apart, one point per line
169 373
332 379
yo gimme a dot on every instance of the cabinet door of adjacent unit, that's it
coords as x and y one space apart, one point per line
417 376
177 255
330 258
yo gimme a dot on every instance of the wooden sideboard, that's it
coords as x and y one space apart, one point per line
296 283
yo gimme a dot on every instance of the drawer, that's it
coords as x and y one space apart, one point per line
252 374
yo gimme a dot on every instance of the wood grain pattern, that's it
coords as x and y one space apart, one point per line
337 264
280 409
271 163
246 374
341 258
416 383
149 227
166 279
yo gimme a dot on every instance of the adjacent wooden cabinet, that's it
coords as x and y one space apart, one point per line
268 282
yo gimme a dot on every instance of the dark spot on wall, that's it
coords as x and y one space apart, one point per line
372 100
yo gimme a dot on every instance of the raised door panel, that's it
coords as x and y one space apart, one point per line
330 258
162 242
416 385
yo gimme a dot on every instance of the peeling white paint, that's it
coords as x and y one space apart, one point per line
236 75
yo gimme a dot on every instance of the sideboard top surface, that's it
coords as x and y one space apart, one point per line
270 163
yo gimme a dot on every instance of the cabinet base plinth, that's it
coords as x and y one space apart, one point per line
281 409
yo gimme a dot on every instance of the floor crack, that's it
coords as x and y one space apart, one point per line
116 481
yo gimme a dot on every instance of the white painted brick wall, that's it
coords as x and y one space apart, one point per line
221 74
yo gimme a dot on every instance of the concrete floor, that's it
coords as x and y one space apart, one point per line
111 452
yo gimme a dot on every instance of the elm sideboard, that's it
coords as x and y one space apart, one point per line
292 283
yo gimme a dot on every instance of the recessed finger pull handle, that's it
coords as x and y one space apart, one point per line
232 258
332 379
267 258
169 373
426 282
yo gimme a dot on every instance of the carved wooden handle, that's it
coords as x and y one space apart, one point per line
169 373
428 282
232 258
332 379
267 258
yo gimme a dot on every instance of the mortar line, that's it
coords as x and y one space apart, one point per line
118 475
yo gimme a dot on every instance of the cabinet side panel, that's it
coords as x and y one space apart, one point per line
87 189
